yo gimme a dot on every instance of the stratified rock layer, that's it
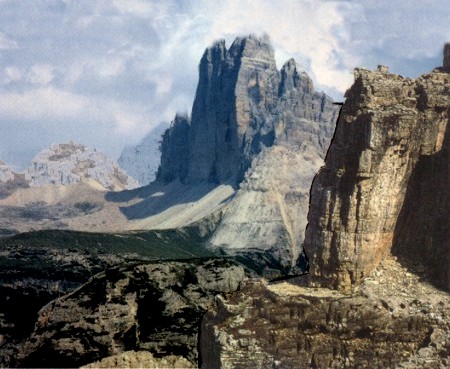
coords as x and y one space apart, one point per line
393 321
388 158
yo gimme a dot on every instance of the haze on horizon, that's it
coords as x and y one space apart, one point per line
104 73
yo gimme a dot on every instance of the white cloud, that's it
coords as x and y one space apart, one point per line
12 74
6 43
312 32
46 102
40 74
135 7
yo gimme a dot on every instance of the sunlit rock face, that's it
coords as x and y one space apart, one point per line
71 163
6 173
385 184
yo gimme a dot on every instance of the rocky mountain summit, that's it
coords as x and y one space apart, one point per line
251 125
243 105
229 165
71 163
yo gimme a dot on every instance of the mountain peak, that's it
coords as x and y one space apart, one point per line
235 113
69 163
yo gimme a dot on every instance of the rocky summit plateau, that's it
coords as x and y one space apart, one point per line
281 230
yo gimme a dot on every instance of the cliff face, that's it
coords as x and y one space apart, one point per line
390 145
175 150
236 113
259 129
269 210
378 234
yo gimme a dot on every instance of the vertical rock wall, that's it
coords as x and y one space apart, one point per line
243 104
389 127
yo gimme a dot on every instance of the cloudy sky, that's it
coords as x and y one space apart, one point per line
104 72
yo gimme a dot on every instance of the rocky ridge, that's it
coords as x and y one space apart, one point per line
243 105
394 320
155 307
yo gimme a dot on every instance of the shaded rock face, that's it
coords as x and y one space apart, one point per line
155 307
71 163
269 209
422 232
372 193
175 150
142 161
394 321
262 129
235 115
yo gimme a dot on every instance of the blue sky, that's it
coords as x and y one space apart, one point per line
103 73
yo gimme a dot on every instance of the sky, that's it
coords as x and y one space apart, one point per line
105 72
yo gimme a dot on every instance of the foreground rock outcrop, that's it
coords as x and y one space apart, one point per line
141 359
385 184
156 307
393 321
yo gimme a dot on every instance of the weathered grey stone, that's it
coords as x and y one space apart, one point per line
236 112
71 163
